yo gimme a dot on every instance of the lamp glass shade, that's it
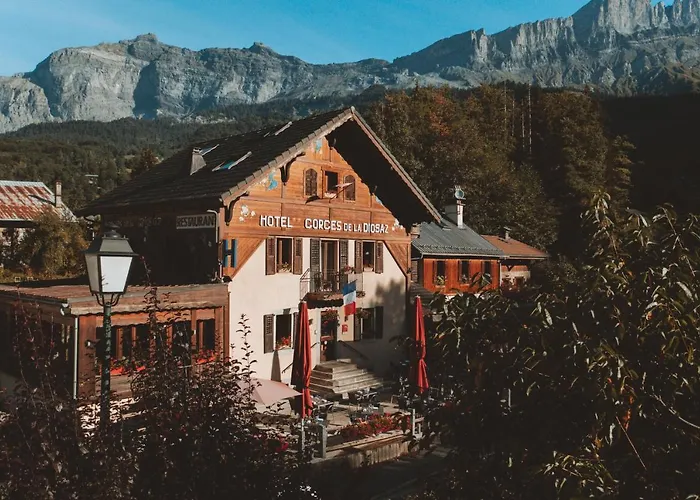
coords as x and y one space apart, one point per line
108 260
93 271
115 271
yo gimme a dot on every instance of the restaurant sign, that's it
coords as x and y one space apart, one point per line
202 221
325 225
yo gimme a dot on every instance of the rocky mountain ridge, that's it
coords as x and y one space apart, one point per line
617 46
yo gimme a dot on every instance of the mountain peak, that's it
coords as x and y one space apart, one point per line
145 38
622 16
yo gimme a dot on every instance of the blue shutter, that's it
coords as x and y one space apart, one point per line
229 253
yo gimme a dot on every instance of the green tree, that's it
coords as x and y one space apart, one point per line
54 246
588 391
143 163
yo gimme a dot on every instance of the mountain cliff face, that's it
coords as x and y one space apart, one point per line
618 46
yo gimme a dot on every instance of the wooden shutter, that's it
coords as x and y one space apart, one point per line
356 332
310 182
358 256
315 256
349 190
270 261
414 271
298 265
268 333
379 258
378 322
343 255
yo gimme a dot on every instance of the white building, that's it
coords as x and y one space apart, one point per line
285 214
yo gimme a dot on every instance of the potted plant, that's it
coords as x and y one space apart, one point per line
284 268
440 280
347 270
284 343
363 313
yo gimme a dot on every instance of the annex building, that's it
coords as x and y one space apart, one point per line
299 212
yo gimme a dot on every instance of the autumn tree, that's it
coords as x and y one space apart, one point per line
444 139
587 391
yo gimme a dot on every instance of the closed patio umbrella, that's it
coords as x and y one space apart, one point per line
301 366
420 371
267 392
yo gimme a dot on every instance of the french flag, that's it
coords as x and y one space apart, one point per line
349 297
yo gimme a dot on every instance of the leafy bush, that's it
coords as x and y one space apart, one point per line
195 433
589 390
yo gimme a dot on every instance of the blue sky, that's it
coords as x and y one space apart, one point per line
318 31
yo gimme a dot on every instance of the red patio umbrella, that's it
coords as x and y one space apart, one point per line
420 372
301 366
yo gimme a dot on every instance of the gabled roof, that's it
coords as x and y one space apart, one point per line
244 159
515 249
22 202
446 239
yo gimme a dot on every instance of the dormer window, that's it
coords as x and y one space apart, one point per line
330 182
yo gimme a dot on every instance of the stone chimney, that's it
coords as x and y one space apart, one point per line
57 195
505 233
455 213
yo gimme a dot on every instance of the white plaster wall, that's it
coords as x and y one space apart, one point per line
255 295
387 289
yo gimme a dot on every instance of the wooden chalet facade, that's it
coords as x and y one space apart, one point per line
281 215
68 317
449 257
517 260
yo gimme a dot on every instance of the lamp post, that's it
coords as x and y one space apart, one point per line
108 260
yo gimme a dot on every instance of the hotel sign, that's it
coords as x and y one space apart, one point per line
325 225
202 221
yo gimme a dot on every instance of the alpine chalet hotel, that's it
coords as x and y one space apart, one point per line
290 213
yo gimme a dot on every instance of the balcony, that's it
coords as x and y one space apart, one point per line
327 285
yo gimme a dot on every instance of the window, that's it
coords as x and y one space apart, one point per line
143 341
284 255
207 331
464 276
369 323
310 183
277 331
368 255
181 337
440 272
349 190
488 271
283 331
331 182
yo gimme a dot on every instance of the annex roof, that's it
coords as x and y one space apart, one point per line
446 239
515 249
209 174
74 297
21 202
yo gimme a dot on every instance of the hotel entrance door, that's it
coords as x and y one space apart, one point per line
329 334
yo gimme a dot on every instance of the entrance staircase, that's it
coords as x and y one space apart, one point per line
335 378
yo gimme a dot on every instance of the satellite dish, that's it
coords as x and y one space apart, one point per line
459 194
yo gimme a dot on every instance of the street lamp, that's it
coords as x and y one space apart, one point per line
108 260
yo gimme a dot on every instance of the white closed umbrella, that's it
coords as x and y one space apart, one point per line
268 392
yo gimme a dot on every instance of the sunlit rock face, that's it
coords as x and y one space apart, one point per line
618 46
